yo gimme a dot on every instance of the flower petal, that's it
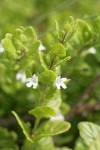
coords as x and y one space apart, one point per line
29 80
58 86
35 78
23 79
41 47
64 86
29 84
35 85
64 79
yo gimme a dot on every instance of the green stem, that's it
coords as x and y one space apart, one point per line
36 123
52 62
43 94
63 39
42 99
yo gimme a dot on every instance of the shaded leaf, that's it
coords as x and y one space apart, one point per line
42 144
7 139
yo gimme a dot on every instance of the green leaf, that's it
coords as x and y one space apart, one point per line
50 128
24 40
48 78
85 30
42 61
48 75
96 24
42 144
63 60
79 145
33 49
42 112
30 32
88 131
57 29
7 140
55 101
58 50
95 145
25 127
9 47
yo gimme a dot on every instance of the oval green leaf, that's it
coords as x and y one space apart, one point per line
88 131
42 112
25 127
58 50
50 128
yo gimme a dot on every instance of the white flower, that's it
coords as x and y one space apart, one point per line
60 82
32 81
58 116
21 76
41 47
92 50
1 48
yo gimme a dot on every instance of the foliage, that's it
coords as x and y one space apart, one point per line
90 133
49 75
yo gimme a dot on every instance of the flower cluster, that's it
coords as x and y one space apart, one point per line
33 82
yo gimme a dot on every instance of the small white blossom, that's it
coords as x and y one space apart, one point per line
92 50
1 48
41 47
58 116
60 82
32 81
21 76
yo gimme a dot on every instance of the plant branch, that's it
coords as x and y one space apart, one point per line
52 62
63 39
88 107
36 123
79 105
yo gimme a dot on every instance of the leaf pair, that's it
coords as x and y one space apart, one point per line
47 128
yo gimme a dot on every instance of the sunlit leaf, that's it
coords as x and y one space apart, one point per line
43 111
25 127
58 50
89 131
50 128
95 145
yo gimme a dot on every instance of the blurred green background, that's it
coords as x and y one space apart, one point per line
41 14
